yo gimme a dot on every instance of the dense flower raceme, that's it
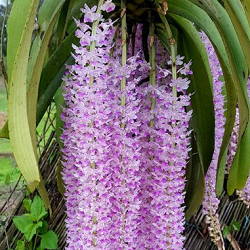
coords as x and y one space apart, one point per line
211 202
163 169
109 190
164 155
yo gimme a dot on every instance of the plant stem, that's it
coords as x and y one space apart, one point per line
34 246
92 48
123 97
93 33
171 42
152 75
124 47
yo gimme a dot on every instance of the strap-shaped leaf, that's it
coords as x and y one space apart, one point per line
63 20
51 76
46 20
56 61
59 102
203 120
239 68
246 6
50 90
240 168
198 195
195 185
240 17
202 20
19 131
237 15
191 46
230 113
14 39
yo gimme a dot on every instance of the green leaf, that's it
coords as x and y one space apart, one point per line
236 225
201 19
27 204
37 208
203 120
52 157
31 217
7 179
4 133
240 75
226 231
161 34
197 197
19 40
49 240
47 17
51 77
39 248
239 170
30 230
20 245
44 228
56 61
60 103
21 222
221 173
195 185
241 25
63 20
51 86
246 6
60 183
23 10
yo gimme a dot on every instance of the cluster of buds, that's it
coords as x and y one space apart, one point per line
214 228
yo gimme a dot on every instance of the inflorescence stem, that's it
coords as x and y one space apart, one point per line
152 75
123 97
93 33
92 47
171 42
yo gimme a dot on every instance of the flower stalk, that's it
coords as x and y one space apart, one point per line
123 103
124 49
93 33
152 75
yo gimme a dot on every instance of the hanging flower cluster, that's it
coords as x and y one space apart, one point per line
165 151
124 178
211 202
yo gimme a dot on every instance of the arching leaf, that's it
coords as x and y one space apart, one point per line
201 19
19 47
239 68
46 20
203 121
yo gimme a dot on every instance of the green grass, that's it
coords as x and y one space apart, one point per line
7 167
5 146
3 100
